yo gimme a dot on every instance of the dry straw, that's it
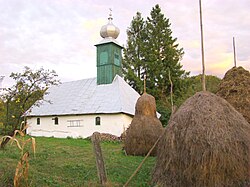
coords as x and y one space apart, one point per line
235 88
145 127
205 144
21 173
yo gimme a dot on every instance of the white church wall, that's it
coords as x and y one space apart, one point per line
78 125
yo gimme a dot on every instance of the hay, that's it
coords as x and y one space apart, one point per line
141 135
145 128
205 144
235 88
146 106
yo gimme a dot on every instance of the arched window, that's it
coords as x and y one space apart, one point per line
38 121
97 121
56 120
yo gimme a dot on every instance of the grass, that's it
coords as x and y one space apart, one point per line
71 162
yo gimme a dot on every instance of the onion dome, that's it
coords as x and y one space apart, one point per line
109 30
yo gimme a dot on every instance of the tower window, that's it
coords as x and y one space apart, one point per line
38 121
97 121
117 59
103 58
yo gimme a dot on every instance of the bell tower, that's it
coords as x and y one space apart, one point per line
109 56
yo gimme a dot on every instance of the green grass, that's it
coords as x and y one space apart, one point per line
71 162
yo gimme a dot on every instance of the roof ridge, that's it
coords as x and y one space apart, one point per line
120 97
122 93
78 80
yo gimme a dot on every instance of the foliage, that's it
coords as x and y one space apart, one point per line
30 87
164 108
162 54
194 85
50 169
22 168
151 50
133 68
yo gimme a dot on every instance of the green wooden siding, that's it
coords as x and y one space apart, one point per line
107 73
108 64
103 58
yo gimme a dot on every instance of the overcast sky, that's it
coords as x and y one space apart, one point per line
61 34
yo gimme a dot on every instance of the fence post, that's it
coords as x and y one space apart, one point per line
99 158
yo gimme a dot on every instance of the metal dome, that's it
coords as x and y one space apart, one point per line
109 30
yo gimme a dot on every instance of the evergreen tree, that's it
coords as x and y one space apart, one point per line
162 55
133 67
152 50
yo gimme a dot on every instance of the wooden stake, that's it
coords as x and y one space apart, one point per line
202 53
234 53
171 91
144 81
149 152
140 165
99 158
1 80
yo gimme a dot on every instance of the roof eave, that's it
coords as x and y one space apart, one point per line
78 114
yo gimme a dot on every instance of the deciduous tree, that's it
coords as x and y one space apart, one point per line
29 88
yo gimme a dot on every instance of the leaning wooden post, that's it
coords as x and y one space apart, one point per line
171 91
144 84
99 158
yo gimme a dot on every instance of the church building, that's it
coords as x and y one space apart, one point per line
105 104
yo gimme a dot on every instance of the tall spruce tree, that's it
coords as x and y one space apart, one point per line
162 55
133 66
152 50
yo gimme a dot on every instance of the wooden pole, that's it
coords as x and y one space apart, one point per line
171 91
149 152
1 80
234 52
99 158
144 83
202 52
140 165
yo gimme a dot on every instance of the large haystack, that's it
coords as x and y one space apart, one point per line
235 88
145 127
205 144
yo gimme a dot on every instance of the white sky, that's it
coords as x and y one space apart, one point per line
61 34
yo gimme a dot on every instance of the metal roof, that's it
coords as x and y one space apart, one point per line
86 97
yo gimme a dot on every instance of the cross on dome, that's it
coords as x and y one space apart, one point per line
110 15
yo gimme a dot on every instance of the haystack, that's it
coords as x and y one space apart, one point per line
235 88
145 127
205 144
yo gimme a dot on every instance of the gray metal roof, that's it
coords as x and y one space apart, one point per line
109 40
86 97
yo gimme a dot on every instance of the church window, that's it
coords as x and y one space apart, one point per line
56 121
38 121
97 121
74 123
